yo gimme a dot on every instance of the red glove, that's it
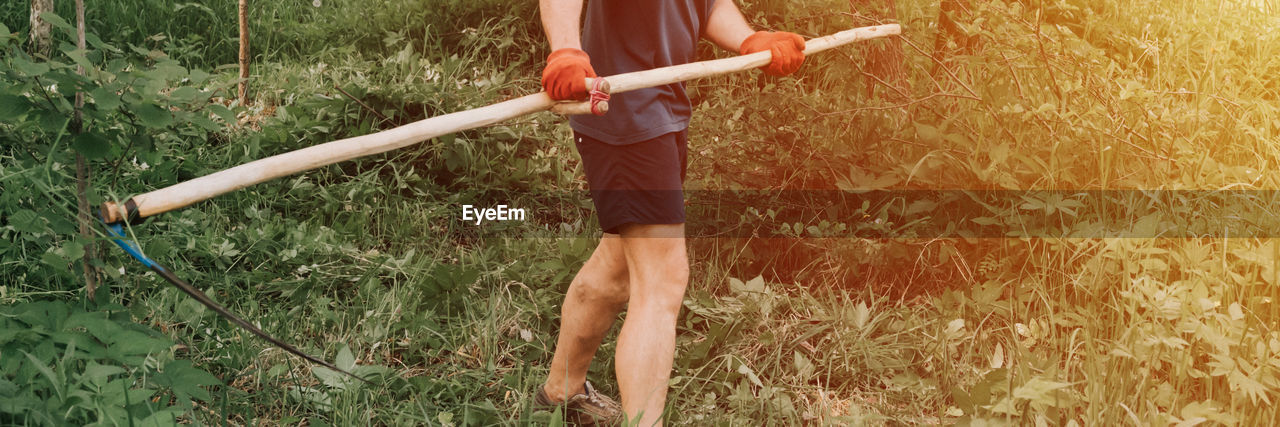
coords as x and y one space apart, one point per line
787 49
565 77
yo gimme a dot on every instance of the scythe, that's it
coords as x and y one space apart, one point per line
186 193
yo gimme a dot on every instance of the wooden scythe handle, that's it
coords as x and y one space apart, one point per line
208 186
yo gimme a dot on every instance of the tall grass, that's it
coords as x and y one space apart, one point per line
1068 95
205 33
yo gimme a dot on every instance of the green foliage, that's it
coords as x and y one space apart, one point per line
68 365
365 263
205 34
1064 95
141 108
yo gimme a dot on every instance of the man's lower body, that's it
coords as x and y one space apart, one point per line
641 264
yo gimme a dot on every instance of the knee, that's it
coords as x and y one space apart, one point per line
663 289
677 274
607 287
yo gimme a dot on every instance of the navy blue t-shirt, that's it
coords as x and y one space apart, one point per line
622 36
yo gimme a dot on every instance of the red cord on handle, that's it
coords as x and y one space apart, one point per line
598 96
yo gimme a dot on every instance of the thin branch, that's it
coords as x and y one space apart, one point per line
362 104
941 65
83 172
1014 73
39 84
1053 78
243 15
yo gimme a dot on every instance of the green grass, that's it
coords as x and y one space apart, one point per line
369 256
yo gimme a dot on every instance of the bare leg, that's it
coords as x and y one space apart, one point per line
596 295
658 267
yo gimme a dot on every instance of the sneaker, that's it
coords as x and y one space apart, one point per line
589 408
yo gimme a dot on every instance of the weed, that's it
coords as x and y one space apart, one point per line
367 263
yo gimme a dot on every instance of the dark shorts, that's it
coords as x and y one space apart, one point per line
640 183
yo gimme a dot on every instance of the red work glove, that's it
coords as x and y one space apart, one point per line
787 49
565 77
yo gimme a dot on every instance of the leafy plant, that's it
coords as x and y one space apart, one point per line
64 364
1052 103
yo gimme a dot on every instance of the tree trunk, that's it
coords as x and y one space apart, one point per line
82 172
244 51
41 30
884 60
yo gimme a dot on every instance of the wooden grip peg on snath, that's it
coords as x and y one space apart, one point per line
262 170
